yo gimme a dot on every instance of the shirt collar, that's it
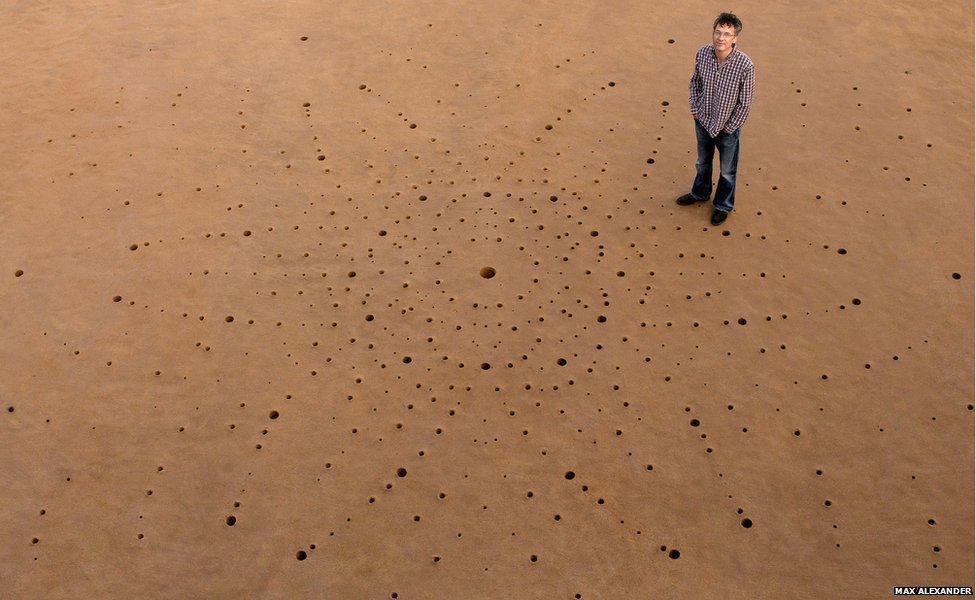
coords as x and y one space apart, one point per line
735 48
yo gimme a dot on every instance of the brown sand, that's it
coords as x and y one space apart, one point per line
807 365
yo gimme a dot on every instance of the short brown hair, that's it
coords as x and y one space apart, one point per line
728 19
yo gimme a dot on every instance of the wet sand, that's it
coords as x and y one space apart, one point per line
351 300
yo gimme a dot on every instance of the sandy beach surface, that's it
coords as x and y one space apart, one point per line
392 300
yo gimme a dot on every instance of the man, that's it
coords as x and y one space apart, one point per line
721 92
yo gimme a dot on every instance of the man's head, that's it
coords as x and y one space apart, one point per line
725 31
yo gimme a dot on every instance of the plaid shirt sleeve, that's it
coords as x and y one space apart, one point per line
747 92
694 88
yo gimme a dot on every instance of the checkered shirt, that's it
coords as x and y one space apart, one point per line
721 96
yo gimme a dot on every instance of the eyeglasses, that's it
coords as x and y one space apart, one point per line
723 34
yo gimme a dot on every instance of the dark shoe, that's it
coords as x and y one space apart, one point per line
689 199
718 216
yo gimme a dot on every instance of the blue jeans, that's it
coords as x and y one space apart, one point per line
728 150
